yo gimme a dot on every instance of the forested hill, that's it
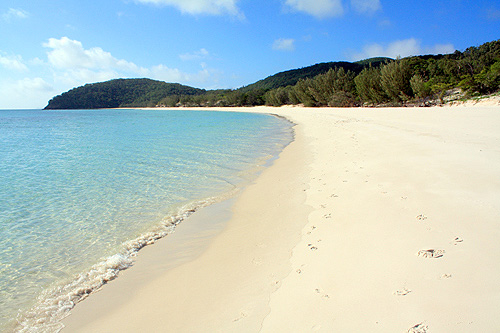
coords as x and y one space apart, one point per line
120 93
291 77
149 93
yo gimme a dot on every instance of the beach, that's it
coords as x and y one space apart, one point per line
372 219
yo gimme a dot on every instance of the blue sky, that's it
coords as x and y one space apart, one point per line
48 47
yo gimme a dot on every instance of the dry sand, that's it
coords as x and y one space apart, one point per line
372 220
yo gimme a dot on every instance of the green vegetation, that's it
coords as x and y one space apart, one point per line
120 93
418 79
376 81
291 77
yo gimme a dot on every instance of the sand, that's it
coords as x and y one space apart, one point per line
372 220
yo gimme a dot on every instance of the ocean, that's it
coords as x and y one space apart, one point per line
82 191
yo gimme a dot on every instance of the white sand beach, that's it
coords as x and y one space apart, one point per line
371 220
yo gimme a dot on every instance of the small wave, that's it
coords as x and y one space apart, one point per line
55 304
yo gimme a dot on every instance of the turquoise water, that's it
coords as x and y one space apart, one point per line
81 191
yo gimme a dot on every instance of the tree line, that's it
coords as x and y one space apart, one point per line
416 79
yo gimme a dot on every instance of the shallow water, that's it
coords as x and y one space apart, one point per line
81 191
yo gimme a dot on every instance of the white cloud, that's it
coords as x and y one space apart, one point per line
69 64
75 65
37 62
441 49
14 13
196 7
197 55
13 63
70 54
37 84
402 48
25 93
317 8
366 6
165 73
202 78
284 44
70 78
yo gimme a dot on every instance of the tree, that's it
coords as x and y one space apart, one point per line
490 78
333 88
278 97
419 87
303 94
368 86
395 80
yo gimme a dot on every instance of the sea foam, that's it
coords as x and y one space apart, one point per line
54 304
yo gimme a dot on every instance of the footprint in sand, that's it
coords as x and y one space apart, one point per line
323 295
316 328
313 248
446 276
457 240
431 253
275 285
402 292
312 229
257 261
421 217
419 328
328 216
243 314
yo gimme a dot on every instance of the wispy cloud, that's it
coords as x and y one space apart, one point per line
493 14
14 63
197 7
196 55
366 6
384 24
14 13
284 44
440 49
402 48
317 8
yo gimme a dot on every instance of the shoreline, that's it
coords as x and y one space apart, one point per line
236 238
55 302
330 237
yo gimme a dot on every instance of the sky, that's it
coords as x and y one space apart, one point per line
49 47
